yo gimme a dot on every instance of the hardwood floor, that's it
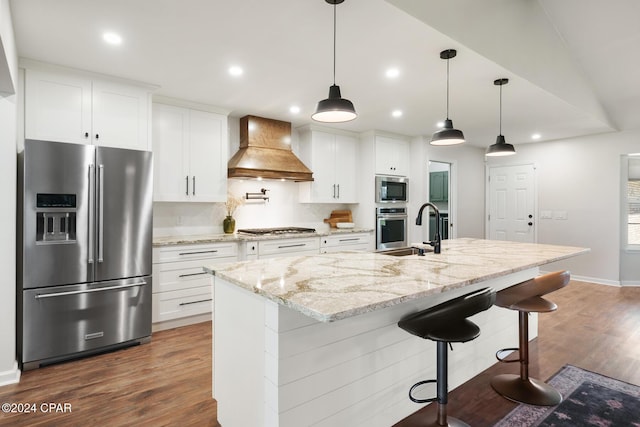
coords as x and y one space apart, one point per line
596 327
168 381
164 383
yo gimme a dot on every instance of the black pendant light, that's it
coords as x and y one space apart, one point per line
500 148
447 135
335 108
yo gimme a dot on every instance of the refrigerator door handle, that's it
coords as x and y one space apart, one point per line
92 219
106 288
101 213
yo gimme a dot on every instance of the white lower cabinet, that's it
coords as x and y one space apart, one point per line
345 242
288 247
181 288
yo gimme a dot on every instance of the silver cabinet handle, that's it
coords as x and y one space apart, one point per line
350 240
193 274
193 190
92 219
338 192
101 213
186 178
292 246
195 302
106 288
198 252
334 191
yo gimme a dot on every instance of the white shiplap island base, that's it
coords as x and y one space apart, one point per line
313 340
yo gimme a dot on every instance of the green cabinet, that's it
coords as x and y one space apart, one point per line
439 186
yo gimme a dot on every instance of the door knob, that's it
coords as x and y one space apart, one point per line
530 224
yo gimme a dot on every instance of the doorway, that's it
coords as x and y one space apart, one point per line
511 200
440 196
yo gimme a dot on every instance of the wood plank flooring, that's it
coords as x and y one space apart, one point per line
596 327
168 381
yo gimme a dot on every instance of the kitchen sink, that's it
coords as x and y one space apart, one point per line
402 251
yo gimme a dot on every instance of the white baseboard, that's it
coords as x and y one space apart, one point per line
11 376
630 283
184 321
595 280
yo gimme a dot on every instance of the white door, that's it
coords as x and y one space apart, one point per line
511 203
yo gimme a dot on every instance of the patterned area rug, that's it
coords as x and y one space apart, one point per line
590 399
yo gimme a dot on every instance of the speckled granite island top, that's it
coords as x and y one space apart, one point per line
335 286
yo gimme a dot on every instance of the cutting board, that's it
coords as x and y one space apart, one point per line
339 216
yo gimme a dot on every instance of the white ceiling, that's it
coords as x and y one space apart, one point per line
572 64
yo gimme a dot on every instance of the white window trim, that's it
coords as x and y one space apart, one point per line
627 247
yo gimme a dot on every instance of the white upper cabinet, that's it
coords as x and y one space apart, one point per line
190 155
392 156
333 160
82 109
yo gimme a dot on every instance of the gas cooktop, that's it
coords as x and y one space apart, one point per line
277 230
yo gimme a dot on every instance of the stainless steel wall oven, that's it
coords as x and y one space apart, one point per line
391 227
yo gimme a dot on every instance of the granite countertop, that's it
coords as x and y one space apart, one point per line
217 238
330 287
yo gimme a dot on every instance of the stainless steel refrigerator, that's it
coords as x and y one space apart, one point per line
84 250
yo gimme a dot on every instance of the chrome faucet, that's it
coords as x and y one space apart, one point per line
437 241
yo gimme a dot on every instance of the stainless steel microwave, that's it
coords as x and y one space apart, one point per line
392 189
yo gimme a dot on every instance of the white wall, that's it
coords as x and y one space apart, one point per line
582 177
8 365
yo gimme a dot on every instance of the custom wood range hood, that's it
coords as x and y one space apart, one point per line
265 152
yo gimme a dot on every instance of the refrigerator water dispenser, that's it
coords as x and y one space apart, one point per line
55 218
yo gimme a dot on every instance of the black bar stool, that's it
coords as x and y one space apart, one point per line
446 323
526 297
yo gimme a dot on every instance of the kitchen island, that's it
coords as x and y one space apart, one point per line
313 340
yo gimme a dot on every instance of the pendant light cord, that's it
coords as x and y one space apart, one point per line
447 88
334 44
500 121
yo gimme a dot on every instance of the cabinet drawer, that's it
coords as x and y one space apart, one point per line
190 252
182 303
344 240
171 276
287 246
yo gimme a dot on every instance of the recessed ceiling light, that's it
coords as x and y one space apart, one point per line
396 113
236 71
112 38
536 136
392 73
294 109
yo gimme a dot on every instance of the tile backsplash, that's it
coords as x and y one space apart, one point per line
282 209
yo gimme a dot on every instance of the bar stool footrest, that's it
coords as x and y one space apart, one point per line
432 399
529 391
502 359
